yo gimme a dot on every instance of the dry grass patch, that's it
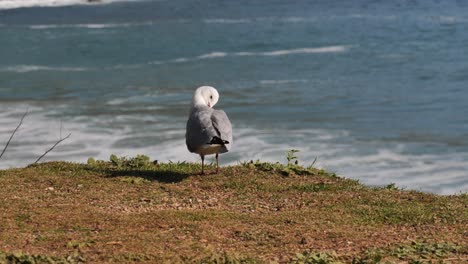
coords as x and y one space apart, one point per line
132 210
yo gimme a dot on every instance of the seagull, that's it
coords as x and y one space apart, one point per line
209 131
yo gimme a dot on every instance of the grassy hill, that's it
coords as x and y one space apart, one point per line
132 210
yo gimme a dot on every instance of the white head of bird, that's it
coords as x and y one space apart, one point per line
205 95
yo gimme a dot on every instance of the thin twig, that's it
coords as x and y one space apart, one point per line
313 163
14 132
49 150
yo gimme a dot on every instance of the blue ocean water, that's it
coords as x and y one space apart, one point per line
375 90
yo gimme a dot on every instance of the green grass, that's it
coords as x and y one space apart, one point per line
136 210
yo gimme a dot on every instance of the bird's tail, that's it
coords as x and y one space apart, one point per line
218 141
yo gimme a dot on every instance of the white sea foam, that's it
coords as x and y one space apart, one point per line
222 54
227 21
267 82
294 19
178 60
12 4
305 51
434 173
258 20
298 19
245 53
367 16
327 49
213 55
31 68
90 26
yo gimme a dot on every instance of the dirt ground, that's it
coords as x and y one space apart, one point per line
105 212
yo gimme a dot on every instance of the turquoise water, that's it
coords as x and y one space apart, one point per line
377 91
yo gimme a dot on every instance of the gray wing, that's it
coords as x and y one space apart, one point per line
204 124
223 127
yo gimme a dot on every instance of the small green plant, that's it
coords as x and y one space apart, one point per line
263 166
391 186
291 156
20 257
116 161
292 167
80 244
418 250
91 161
373 256
140 161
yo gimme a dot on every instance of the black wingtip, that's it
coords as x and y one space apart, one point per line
218 140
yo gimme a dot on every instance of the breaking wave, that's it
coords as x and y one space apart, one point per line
12 4
267 82
90 26
227 21
32 68
221 54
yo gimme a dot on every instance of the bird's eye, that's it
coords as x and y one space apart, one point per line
211 97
